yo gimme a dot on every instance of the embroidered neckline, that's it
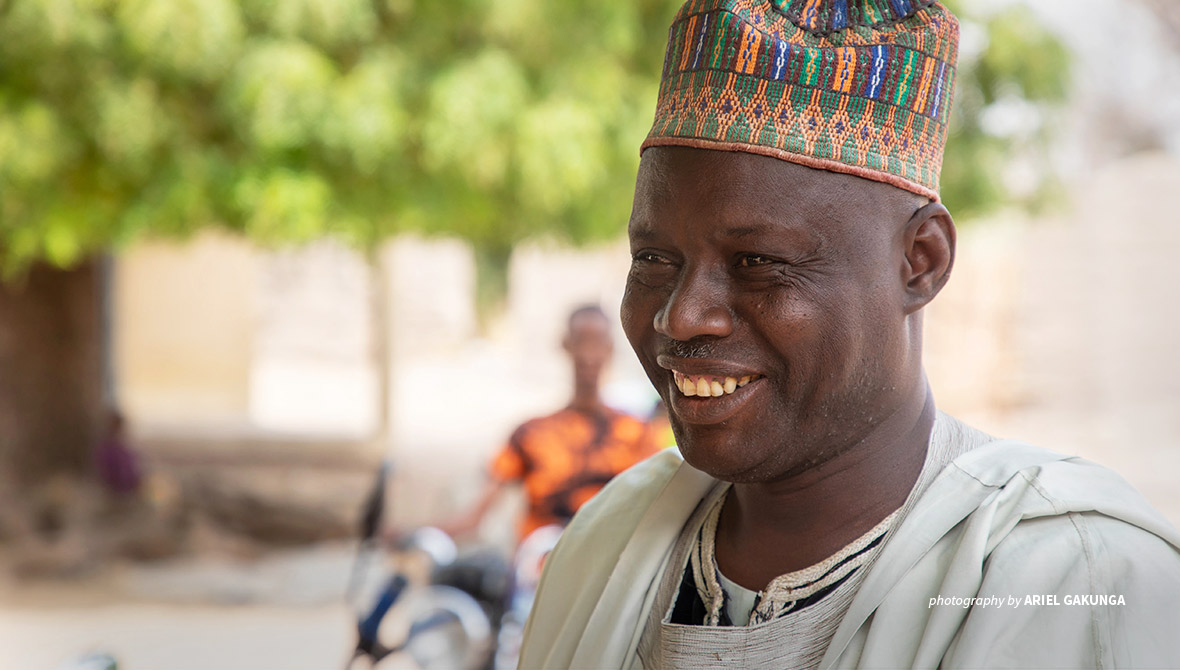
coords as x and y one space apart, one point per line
788 592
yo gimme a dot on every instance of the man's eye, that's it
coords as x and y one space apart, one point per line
752 260
649 257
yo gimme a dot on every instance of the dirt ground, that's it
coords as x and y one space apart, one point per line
172 637
285 611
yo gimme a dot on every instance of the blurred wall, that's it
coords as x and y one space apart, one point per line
1062 331
312 370
184 322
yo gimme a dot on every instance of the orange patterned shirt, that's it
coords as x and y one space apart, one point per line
565 458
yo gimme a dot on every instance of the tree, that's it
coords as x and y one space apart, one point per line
287 121
1020 74
125 119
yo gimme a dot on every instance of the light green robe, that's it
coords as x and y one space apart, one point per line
1005 520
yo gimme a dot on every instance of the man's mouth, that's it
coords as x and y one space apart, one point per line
709 386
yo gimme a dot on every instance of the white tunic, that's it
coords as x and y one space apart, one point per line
1004 526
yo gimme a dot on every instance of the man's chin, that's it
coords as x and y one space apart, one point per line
729 462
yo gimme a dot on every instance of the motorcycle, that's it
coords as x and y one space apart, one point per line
529 563
444 608
433 604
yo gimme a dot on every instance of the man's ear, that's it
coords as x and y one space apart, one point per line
929 245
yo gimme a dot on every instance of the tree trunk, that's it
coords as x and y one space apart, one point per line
51 387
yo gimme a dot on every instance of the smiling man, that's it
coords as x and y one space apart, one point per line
786 234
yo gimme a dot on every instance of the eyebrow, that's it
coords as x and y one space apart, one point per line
641 230
801 237
758 227
745 231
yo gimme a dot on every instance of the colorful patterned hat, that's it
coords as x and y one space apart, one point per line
855 86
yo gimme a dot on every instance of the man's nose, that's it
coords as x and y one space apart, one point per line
698 306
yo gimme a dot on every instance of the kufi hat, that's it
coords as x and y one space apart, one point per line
855 86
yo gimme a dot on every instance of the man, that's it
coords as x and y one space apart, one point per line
786 234
565 458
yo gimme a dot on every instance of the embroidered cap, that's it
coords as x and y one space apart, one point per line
855 86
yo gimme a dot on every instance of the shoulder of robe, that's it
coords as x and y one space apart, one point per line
625 496
1063 486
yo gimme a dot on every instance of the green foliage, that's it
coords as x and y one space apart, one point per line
187 40
289 120
1025 70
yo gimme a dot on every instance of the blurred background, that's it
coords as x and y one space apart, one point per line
289 240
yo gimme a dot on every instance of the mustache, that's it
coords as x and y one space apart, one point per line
694 348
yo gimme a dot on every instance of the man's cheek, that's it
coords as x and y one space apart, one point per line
637 313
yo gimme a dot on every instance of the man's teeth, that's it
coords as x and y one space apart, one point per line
707 386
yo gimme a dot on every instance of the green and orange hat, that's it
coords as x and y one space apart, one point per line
855 86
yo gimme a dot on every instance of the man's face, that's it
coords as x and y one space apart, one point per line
589 345
766 304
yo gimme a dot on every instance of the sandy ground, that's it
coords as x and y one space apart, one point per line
285 611
282 612
170 637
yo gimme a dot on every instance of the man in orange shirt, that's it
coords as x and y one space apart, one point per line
564 458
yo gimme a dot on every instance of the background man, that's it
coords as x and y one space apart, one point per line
565 458
786 234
